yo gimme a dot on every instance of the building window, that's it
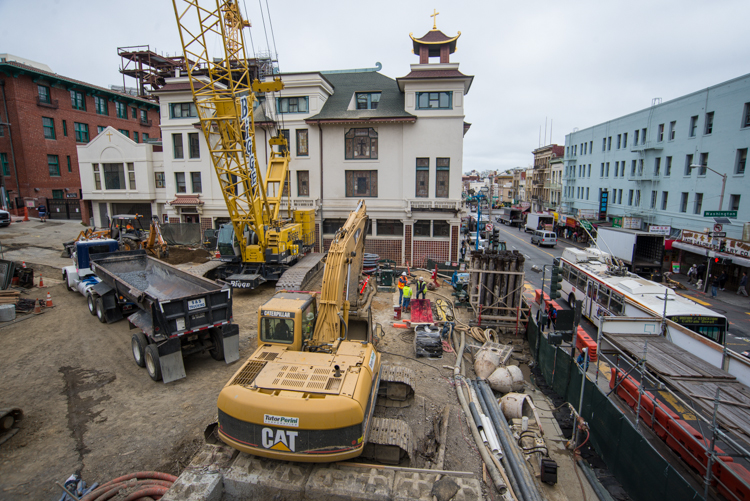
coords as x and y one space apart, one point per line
82 132
285 134
591 146
44 95
100 129
653 199
368 100
693 125
48 125
303 183
135 136
423 178
625 140
601 170
630 197
589 171
734 202
122 110
661 133
134 113
195 148
131 175
709 127
619 141
182 110
291 104
159 180
683 202
361 183
672 127
65 128
664 197
698 203
441 229
746 116
53 163
434 100
636 135
144 116
57 194
179 178
688 163
97 177
361 144
643 135
302 144
637 198
422 228
619 198
114 176
101 105
604 144
331 226
442 177
587 193
390 227
124 132
195 181
668 166
177 146
77 100
657 166
704 163
5 164
741 161
70 167
609 143
145 137
606 169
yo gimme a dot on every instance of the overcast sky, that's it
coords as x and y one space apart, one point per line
573 63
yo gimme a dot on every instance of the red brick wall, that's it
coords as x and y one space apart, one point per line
30 146
407 243
437 250
386 249
455 230
206 224
174 219
317 238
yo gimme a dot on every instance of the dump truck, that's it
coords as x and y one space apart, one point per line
175 312
640 251
510 216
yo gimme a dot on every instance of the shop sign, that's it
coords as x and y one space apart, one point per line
631 223
731 246
695 238
588 214
616 222
660 230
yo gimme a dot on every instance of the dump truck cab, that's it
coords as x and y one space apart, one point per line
287 320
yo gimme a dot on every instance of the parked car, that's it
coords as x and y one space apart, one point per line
4 218
540 237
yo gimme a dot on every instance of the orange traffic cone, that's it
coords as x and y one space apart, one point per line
49 300
37 307
41 282
25 213
218 254
23 264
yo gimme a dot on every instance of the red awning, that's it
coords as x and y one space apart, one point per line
668 244
186 201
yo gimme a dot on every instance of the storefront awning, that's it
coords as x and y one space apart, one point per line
703 251
186 201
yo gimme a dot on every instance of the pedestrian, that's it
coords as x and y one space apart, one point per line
722 280
715 286
692 274
463 251
553 316
743 284
407 298
401 283
701 272
42 210
421 287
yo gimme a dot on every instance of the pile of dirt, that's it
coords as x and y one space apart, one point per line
180 255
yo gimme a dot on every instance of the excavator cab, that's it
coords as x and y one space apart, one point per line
287 320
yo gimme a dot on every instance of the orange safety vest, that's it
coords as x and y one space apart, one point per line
401 282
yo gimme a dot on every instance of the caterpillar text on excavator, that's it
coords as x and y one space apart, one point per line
259 245
309 391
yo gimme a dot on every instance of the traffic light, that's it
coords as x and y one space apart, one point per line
554 283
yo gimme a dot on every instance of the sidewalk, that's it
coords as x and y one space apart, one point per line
726 297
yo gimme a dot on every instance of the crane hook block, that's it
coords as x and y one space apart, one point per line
274 86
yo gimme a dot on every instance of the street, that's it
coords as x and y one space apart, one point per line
727 303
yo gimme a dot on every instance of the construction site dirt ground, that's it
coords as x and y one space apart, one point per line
89 408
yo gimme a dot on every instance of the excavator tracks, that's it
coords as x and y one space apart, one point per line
389 441
396 387
297 277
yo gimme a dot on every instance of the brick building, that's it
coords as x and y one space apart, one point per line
44 116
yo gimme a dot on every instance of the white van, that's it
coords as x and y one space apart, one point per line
541 237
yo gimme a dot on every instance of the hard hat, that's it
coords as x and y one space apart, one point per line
420 278
310 315
403 274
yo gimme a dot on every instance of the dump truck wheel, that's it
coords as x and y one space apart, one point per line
128 244
100 313
152 362
217 352
91 303
138 344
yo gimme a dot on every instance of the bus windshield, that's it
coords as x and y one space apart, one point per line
713 328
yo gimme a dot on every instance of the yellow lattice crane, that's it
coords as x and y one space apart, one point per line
259 245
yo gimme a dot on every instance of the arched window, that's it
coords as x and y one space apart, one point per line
361 144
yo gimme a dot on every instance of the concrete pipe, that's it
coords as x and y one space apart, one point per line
506 379
486 361
516 406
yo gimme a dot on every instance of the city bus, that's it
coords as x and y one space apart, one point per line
588 276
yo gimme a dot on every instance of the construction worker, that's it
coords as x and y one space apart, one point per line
402 281
421 287
407 298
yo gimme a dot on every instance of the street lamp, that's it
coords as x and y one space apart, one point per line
723 181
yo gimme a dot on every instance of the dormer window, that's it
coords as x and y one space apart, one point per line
434 100
368 100
291 104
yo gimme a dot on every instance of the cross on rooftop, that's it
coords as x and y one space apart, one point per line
434 18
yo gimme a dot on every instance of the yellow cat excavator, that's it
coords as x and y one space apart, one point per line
309 391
